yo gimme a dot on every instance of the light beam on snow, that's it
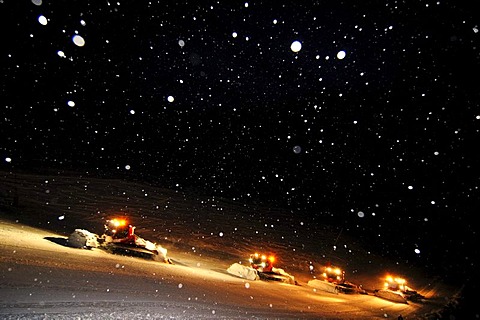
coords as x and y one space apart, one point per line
42 20
296 46
78 40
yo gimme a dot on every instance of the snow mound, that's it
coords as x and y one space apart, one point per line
323 285
390 295
81 238
243 272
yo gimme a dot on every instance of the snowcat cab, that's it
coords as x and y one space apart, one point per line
333 274
396 289
333 280
395 284
261 262
261 268
119 237
118 229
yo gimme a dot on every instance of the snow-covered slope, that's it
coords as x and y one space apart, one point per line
203 235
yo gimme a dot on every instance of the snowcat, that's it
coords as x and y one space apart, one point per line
261 268
119 237
333 280
395 289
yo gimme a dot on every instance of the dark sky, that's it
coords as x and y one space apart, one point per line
211 98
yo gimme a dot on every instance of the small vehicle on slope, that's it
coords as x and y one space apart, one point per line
395 289
261 268
333 280
119 237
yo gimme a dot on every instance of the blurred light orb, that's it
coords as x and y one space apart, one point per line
127 167
42 20
234 34
341 54
61 54
181 43
417 251
8 159
37 2
296 46
297 149
78 40
361 214
170 99
71 104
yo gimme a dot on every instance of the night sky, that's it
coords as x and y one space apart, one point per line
372 124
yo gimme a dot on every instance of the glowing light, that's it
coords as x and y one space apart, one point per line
296 46
170 98
42 20
119 222
341 54
78 40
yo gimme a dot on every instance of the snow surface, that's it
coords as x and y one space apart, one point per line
43 278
